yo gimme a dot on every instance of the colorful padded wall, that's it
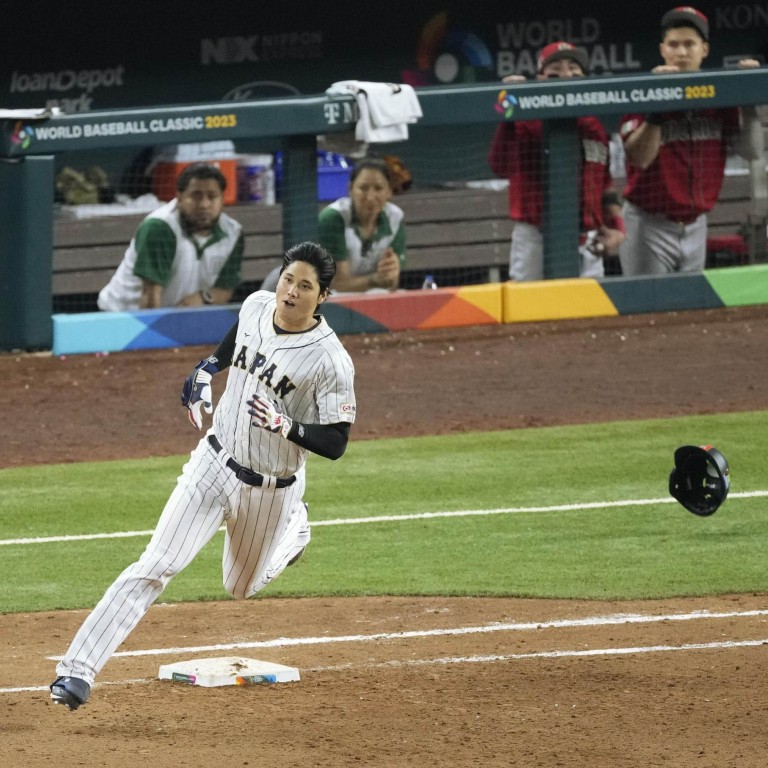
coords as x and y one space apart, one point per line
95 332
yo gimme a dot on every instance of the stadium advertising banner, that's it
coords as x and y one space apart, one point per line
28 132
105 56
632 93
487 103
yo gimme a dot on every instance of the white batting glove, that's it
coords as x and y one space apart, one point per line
266 416
201 397
197 393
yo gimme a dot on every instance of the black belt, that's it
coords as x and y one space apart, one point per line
248 476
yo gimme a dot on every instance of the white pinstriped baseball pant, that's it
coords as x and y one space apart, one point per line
261 537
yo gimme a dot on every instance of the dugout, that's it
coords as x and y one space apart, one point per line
29 146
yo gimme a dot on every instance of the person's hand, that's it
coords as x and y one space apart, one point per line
266 416
748 64
665 69
514 79
388 270
609 240
202 397
197 392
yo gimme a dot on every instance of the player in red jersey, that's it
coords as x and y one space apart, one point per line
516 154
676 160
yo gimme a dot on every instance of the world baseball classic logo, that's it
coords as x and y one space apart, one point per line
506 103
22 135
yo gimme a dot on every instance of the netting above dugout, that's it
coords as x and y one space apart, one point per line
456 204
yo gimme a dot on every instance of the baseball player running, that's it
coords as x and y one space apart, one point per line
676 161
289 390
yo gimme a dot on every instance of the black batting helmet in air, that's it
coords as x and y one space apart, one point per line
700 479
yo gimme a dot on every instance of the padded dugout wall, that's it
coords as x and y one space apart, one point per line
494 303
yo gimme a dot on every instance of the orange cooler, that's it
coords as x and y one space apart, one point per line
165 173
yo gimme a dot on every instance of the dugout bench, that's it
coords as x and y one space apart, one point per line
450 231
456 234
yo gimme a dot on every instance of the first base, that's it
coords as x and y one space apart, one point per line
228 670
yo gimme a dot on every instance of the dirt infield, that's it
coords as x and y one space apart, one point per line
476 682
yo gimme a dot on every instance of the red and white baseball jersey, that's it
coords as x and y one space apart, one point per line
515 154
684 179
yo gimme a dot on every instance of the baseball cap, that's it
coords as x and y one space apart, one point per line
686 15
559 50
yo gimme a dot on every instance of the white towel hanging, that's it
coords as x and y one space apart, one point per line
385 109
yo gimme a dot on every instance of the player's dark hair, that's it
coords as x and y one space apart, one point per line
316 256
373 164
200 171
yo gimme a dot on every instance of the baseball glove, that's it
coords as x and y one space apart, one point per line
700 479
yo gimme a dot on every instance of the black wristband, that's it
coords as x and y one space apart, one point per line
654 118
293 432
210 364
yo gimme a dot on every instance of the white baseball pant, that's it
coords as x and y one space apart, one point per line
655 245
262 526
526 256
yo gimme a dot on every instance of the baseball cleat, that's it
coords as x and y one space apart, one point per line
70 691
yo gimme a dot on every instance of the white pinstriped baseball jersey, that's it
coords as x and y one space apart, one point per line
309 375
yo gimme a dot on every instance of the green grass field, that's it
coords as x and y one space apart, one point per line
609 548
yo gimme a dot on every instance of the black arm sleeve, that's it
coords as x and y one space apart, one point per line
328 440
226 349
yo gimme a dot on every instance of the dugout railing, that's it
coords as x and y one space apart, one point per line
28 147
